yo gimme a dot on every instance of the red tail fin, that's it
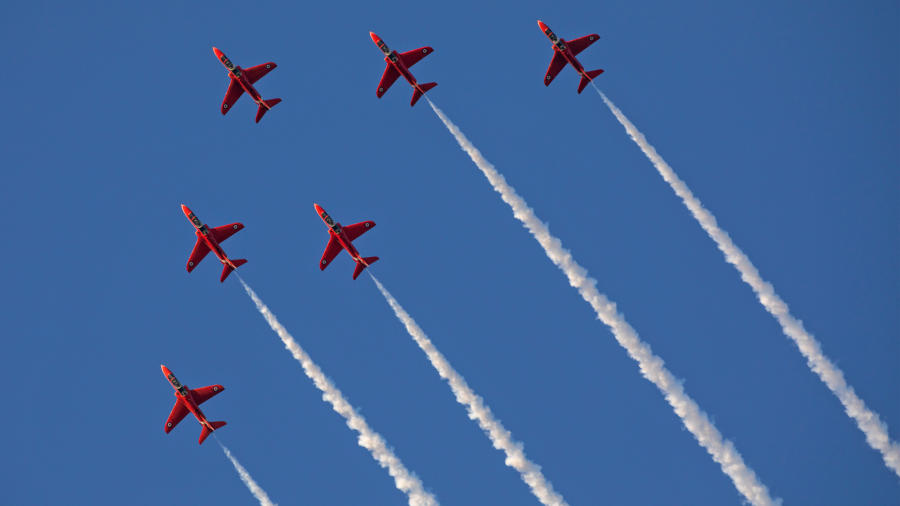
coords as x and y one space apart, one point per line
264 108
361 266
226 269
590 77
206 432
417 94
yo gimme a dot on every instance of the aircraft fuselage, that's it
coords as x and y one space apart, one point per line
392 58
237 73
335 229
184 393
560 45
202 231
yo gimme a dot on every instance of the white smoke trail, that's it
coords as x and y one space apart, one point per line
255 489
405 481
478 411
651 366
869 423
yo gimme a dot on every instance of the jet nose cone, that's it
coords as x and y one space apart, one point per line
217 51
185 210
375 38
165 369
542 25
318 208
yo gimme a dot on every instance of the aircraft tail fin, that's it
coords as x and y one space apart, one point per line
417 94
591 74
206 431
264 108
361 266
226 269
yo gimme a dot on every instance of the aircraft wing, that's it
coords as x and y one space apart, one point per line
179 411
204 394
556 64
256 73
234 92
387 79
580 44
358 229
410 58
331 250
199 253
226 231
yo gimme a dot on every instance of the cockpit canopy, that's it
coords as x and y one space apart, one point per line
331 223
203 229
236 71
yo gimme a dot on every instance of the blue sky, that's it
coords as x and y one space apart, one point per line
782 118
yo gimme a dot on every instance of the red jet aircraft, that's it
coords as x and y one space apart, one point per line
209 239
341 238
189 401
398 65
564 52
242 80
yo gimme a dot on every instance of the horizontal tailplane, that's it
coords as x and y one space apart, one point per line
263 108
226 269
361 266
586 79
206 431
419 91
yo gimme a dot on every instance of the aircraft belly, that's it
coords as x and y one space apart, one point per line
251 91
574 63
349 247
406 75
217 250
